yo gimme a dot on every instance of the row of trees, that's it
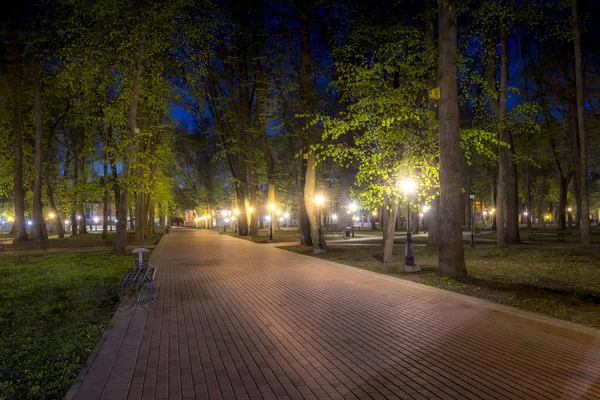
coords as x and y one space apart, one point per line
277 101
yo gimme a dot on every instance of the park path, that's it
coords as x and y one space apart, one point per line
242 320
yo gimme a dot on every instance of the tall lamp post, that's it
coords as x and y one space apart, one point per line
472 197
319 201
271 209
409 187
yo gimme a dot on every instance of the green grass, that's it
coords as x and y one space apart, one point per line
53 309
563 283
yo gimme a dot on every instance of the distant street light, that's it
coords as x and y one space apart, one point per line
409 187
96 222
319 201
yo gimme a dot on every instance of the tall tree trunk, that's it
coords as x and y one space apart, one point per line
583 165
451 254
106 198
577 157
19 228
344 218
499 109
389 213
433 237
120 243
83 219
528 195
308 229
38 228
562 204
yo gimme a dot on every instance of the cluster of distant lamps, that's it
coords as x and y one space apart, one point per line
51 217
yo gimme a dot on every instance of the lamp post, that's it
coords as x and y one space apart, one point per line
319 201
409 187
96 223
472 197
271 209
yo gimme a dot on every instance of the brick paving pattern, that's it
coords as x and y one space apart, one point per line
238 320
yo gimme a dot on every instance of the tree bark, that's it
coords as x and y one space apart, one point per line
119 245
344 218
307 210
38 228
106 199
583 164
19 228
451 254
389 213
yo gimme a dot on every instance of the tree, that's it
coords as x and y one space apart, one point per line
583 164
451 253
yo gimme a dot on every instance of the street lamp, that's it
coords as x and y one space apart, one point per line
472 197
271 209
286 216
319 201
278 212
96 222
409 187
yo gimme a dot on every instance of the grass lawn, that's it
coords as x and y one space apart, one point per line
562 283
53 309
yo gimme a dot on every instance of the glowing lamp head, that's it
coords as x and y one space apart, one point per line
334 216
319 199
569 209
79 217
421 215
29 223
486 213
271 207
236 212
286 215
66 222
409 186
525 213
224 213
51 215
425 208
95 220
250 209
268 218
374 213
278 212
226 219
353 207
10 219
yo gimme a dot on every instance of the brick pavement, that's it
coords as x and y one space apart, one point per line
238 320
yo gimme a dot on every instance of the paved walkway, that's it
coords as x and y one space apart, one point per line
248 321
